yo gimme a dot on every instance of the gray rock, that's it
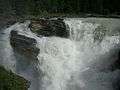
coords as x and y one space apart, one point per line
24 45
26 52
49 27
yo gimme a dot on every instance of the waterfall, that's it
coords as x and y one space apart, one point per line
80 62
7 58
65 61
95 46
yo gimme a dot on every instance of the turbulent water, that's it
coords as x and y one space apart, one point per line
80 62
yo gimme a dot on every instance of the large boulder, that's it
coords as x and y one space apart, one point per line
26 52
49 27
24 45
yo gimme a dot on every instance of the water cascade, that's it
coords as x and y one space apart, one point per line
80 62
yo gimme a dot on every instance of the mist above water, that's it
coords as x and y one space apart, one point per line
80 62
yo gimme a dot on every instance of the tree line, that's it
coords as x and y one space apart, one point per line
37 7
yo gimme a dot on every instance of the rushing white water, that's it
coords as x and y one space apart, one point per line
94 54
6 52
80 62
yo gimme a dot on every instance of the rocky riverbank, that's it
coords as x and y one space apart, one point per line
11 81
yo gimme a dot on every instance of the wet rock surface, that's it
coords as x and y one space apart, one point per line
24 45
49 27
11 81
115 68
42 27
116 64
26 52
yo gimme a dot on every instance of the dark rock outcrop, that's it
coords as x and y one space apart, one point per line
116 64
24 45
49 27
26 52
115 67
44 27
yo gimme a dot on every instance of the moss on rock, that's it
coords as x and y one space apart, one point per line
10 81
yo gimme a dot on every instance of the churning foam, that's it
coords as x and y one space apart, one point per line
75 63
94 54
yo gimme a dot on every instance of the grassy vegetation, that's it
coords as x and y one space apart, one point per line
10 81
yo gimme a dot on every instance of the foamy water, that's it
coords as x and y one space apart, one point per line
80 62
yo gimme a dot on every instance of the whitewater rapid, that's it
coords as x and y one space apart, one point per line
80 62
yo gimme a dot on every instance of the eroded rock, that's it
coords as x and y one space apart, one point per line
24 45
49 27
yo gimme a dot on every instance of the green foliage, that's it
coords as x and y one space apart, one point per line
10 81
36 7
